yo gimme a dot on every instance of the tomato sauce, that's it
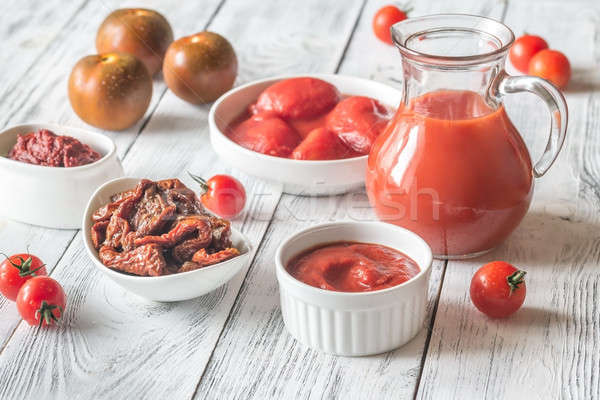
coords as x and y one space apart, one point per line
352 267
452 169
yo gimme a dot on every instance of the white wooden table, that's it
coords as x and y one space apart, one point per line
232 343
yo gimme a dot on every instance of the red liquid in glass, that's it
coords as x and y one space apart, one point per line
452 169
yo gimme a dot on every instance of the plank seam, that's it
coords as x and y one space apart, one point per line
351 36
237 295
430 330
504 9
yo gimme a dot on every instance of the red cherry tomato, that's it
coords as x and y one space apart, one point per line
551 65
41 301
16 270
498 289
223 194
523 49
383 21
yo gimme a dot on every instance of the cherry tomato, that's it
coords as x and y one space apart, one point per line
16 270
523 49
551 65
498 289
383 21
41 301
223 194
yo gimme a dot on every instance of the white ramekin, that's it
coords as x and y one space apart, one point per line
302 177
48 196
354 324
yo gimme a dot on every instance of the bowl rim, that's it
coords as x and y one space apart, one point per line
92 253
57 127
213 124
289 279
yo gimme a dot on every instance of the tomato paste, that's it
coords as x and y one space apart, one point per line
45 148
352 267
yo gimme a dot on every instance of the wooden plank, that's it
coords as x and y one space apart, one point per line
41 95
549 349
256 357
26 35
112 344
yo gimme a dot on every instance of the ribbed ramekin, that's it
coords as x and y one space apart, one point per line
354 324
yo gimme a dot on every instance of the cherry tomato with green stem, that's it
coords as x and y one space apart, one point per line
16 270
41 301
498 289
223 195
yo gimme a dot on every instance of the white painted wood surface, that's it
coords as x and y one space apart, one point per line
232 342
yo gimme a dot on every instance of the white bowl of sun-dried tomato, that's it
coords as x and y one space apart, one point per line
156 240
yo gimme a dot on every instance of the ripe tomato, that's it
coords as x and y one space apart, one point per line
523 49
41 301
551 65
17 269
498 289
383 21
223 194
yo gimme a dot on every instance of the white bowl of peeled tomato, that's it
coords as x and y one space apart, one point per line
310 133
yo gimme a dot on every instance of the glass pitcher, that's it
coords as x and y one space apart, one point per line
451 166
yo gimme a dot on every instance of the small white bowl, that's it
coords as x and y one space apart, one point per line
350 323
303 177
176 287
48 196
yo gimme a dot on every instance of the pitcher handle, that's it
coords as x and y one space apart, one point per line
555 101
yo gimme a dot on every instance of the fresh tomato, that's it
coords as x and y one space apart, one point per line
41 301
16 270
523 49
223 194
551 65
498 289
383 21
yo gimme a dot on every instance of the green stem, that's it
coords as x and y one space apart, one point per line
45 313
25 266
200 181
515 279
